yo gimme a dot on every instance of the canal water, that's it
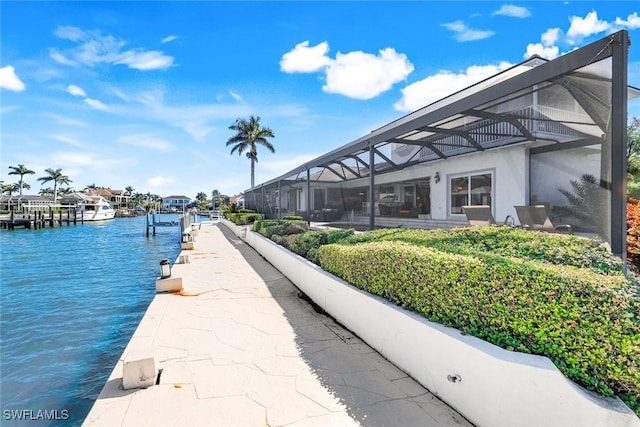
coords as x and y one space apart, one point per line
70 299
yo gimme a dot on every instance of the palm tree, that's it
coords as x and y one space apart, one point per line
7 188
22 171
17 187
64 191
57 178
46 191
137 199
128 191
248 135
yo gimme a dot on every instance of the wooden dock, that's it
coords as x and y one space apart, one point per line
39 219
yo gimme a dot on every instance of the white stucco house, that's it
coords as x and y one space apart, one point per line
513 139
176 203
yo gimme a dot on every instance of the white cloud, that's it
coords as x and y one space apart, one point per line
94 48
9 79
5 109
69 33
364 76
443 84
550 37
547 48
168 39
236 96
95 104
579 29
305 59
141 60
584 27
547 52
66 140
146 141
160 181
194 119
632 22
463 33
76 91
65 121
513 11
60 58
357 74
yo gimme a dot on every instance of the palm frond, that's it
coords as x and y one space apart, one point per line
587 202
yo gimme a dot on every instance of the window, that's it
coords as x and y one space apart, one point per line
470 190
409 195
387 193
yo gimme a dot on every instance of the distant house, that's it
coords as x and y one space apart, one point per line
175 203
238 199
24 203
72 199
117 198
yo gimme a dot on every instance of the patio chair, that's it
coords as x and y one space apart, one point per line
479 215
537 217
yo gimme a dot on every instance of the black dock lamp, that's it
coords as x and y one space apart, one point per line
165 269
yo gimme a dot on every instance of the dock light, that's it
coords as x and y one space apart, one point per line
165 269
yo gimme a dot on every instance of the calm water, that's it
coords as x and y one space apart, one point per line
71 298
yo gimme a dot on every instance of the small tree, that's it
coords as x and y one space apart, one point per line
201 197
633 159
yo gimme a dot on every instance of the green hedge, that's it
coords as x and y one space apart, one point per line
307 244
559 249
293 217
243 218
282 227
585 322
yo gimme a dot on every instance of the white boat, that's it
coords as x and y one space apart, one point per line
95 208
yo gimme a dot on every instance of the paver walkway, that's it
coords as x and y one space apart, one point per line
241 348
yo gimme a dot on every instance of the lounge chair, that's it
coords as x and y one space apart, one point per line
537 217
479 215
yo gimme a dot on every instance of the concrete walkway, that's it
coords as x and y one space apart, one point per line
240 348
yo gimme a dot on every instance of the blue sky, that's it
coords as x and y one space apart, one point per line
142 94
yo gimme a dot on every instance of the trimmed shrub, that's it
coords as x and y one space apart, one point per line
585 322
307 244
293 217
281 227
243 218
559 249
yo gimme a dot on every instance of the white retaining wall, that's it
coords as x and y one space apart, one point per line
490 386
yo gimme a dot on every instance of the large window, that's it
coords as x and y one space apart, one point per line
319 198
472 189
